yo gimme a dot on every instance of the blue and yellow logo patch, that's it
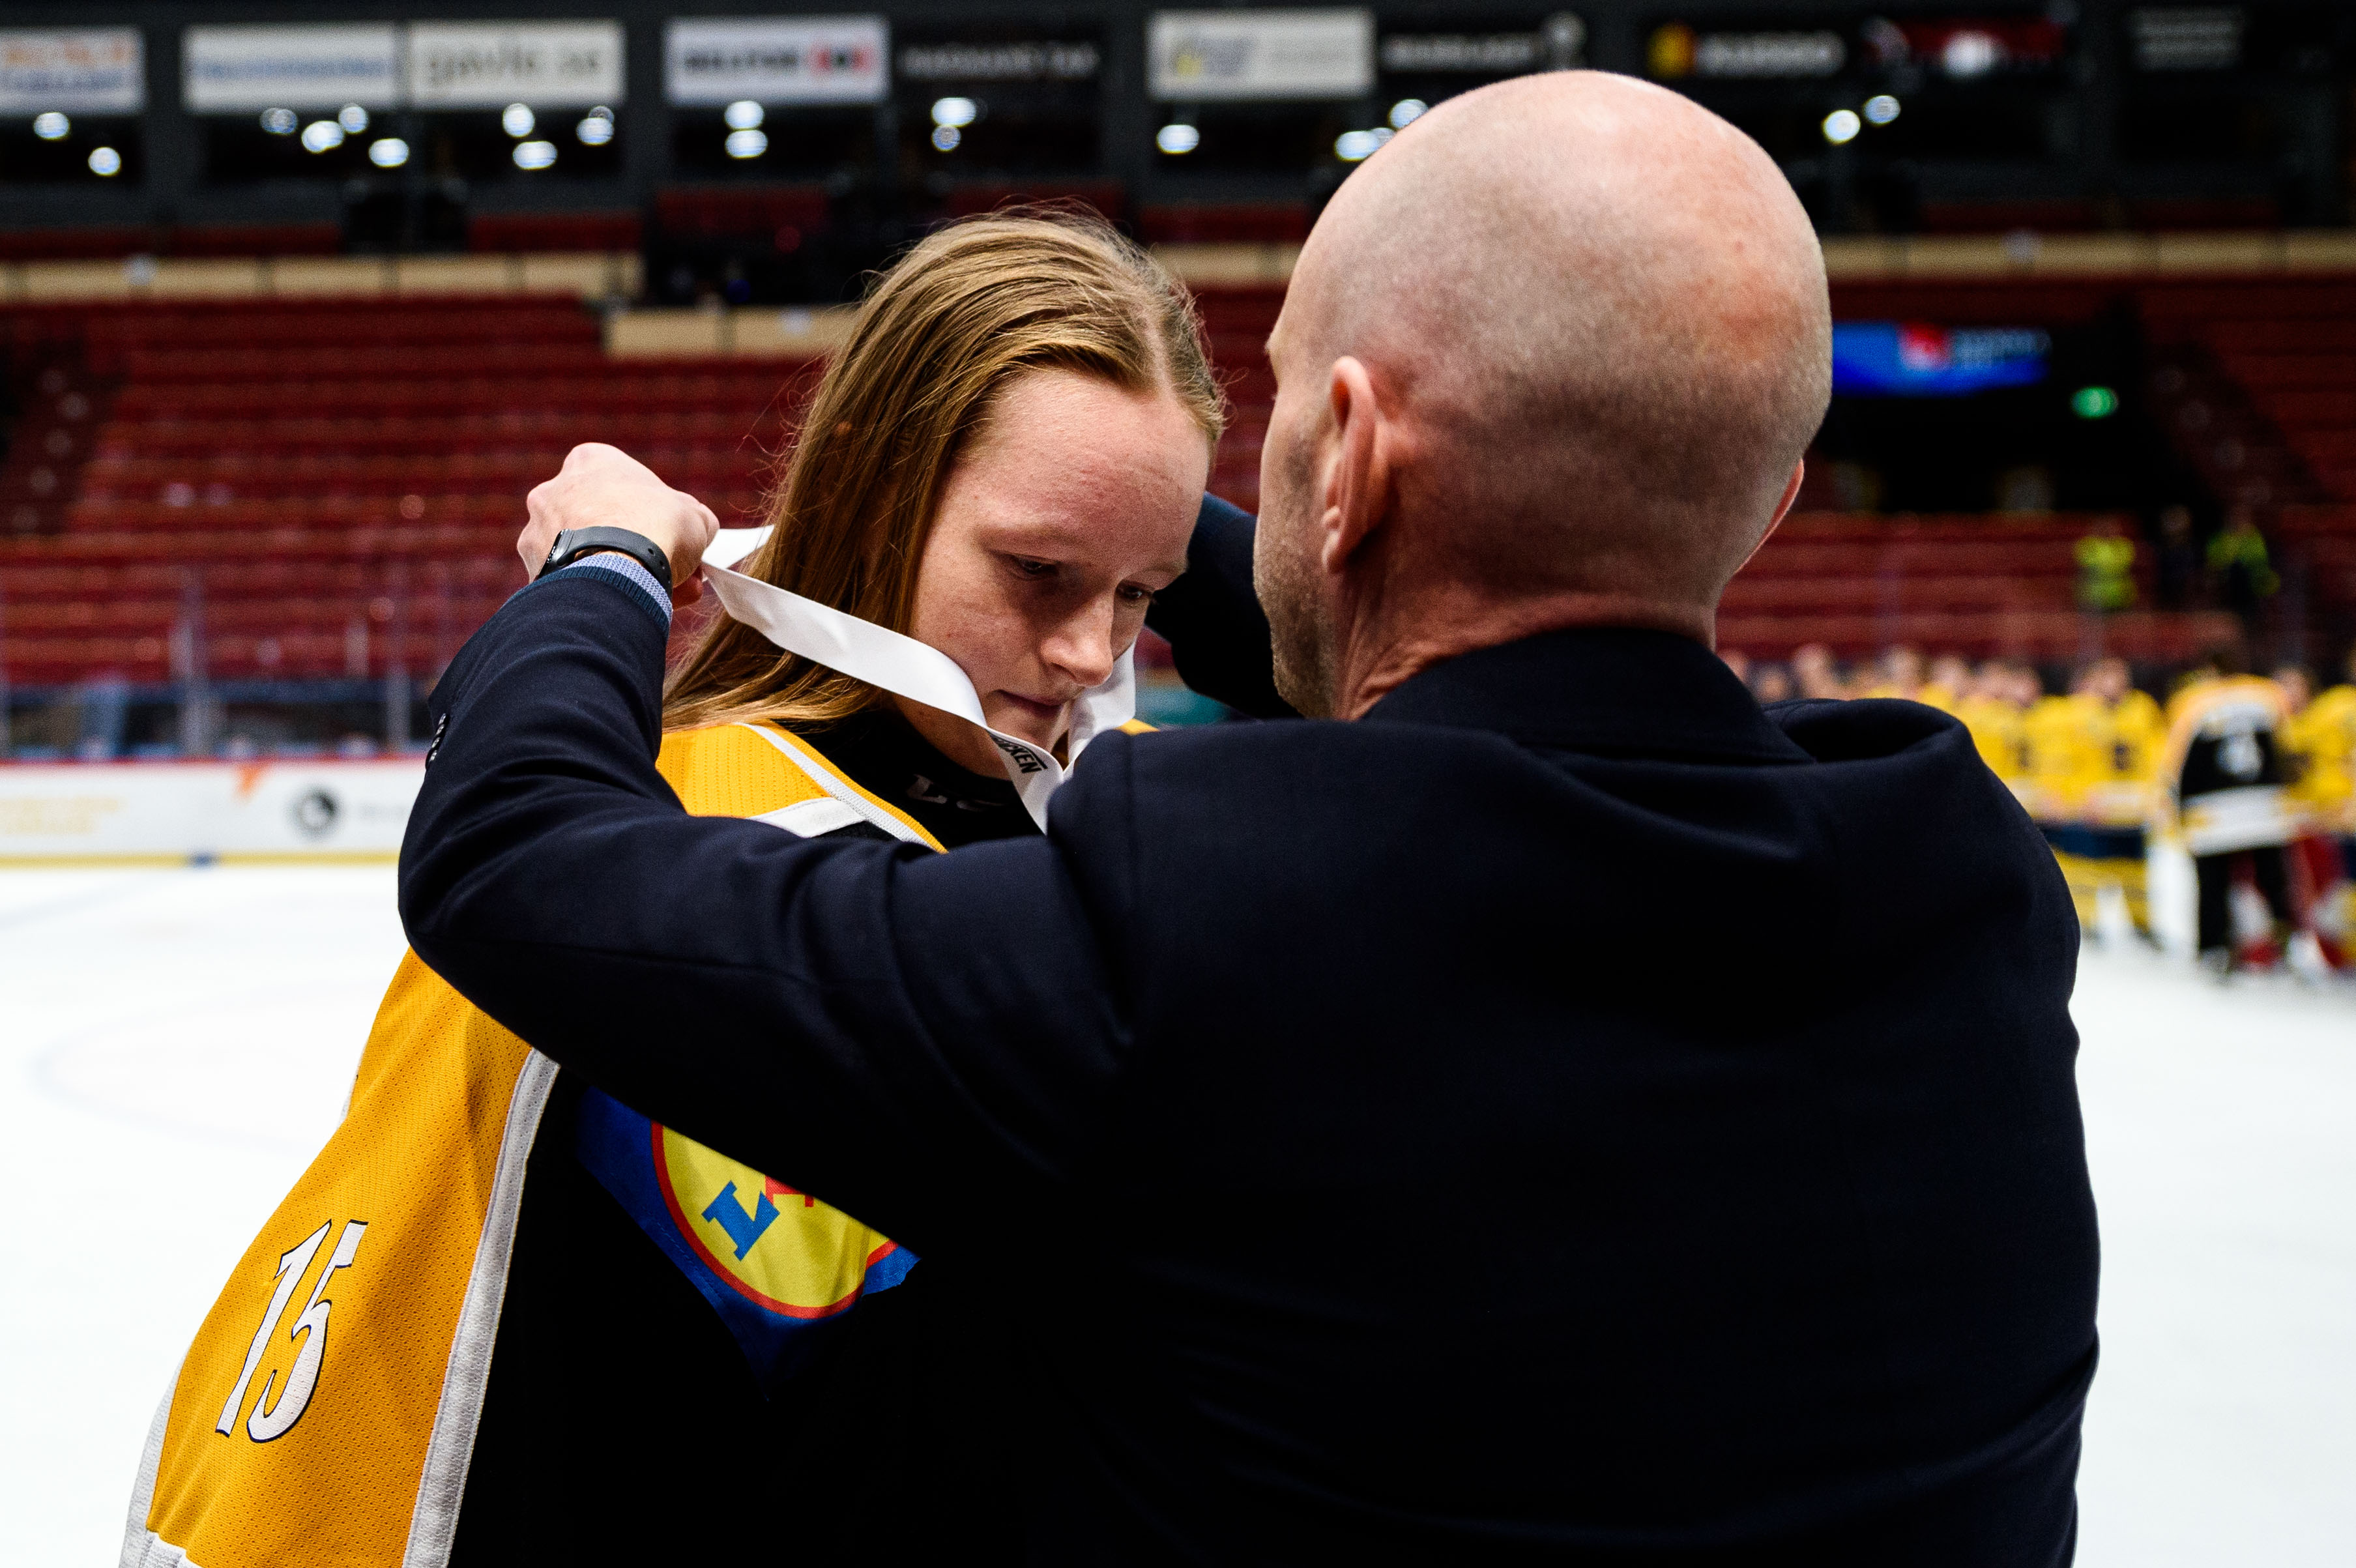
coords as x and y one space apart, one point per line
777 1264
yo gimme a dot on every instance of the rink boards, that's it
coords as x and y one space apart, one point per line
165 813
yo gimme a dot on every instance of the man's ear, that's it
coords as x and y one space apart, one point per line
1783 507
1359 478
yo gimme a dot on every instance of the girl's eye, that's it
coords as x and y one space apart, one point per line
1035 570
1132 593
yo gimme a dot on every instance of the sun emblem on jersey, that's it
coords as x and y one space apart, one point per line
780 1248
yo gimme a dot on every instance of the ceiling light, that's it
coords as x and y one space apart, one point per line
390 152
1880 109
52 126
1969 54
946 138
352 118
322 135
742 115
105 162
1407 112
516 120
955 112
747 144
278 121
1841 127
1177 140
534 155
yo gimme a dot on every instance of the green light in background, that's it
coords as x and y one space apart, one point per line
2095 403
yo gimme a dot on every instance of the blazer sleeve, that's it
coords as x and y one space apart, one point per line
916 1038
1219 634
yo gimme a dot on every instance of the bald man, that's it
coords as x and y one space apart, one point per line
1330 1106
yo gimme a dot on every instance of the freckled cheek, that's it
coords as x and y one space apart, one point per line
986 635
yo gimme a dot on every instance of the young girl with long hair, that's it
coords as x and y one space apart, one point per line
504 1318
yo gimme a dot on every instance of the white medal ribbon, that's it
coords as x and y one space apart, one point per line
906 668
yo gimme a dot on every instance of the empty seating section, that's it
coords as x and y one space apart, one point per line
1978 585
2291 345
1974 584
326 491
330 488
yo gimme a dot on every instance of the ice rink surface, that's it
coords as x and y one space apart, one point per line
178 1043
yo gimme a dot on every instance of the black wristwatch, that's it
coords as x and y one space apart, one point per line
575 543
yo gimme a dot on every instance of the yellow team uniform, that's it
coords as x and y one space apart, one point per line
2321 737
1997 731
2058 735
2102 768
280 1442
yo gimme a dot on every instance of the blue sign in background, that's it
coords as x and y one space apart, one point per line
1895 359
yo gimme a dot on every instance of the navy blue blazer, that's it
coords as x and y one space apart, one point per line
1568 1115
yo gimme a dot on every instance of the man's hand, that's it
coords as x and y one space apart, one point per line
604 487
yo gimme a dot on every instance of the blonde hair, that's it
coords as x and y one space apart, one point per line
943 330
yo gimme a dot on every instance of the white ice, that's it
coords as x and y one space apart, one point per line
175 1043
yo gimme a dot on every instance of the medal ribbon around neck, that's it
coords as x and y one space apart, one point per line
906 668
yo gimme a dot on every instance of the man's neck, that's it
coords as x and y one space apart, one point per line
1381 652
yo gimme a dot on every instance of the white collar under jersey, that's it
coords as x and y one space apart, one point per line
906 668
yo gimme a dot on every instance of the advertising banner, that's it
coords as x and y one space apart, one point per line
1209 54
291 68
1907 358
95 71
179 810
1075 59
796 59
482 65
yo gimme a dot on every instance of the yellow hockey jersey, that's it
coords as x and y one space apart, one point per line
2320 738
326 1411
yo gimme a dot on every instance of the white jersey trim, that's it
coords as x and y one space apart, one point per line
433 1523
142 1547
843 797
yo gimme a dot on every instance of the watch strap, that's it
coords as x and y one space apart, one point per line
573 544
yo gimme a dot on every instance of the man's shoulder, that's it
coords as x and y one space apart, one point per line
1863 728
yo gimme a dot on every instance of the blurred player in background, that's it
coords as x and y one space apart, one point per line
1901 675
1771 683
2223 791
1992 712
2093 753
1817 673
1949 682
2318 743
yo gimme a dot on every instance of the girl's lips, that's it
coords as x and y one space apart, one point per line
1046 713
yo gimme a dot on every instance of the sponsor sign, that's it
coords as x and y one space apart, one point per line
174 811
2197 38
1076 60
1911 360
1210 55
799 59
1491 53
95 70
481 65
1559 44
228 68
1677 50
